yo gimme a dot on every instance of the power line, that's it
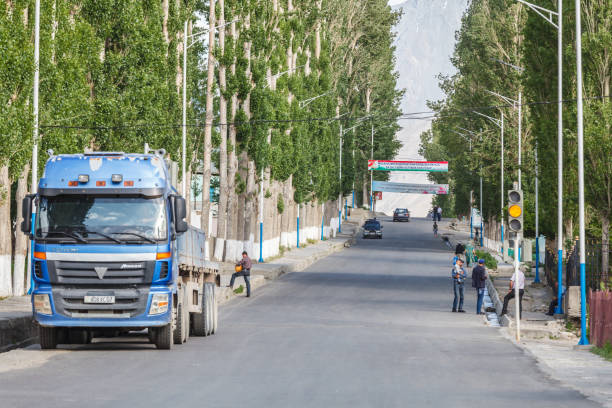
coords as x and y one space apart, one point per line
423 115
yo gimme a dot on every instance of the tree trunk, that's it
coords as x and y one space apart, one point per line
209 122
233 213
6 244
223 191
21 240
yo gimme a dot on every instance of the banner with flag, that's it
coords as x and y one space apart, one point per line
410 188
411 165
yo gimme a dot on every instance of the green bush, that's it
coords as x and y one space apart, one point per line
490 262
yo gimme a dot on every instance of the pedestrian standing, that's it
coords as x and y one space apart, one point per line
459 275
479 276
434 213
460 250
245 271
439 214
514 280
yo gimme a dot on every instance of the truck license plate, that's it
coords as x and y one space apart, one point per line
99 299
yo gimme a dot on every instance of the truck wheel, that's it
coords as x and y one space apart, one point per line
163 337
215 310
48 337
179 332
202 321
78 336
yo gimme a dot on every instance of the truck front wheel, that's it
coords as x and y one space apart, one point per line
48 337
163 337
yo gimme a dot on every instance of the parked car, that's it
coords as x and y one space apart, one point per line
401 214
372 229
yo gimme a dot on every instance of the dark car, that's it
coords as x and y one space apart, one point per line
401 214
372 229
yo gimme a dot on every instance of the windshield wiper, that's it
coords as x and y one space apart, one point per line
136 235
74 236
104 235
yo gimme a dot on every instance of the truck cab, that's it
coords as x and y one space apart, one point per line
105 250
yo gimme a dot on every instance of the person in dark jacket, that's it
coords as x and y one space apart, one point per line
479 276
245 272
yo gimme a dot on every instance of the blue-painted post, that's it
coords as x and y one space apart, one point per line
559 308
481 232
353 198
261 241
502 237
537 263
345 209
298 226
471 224
340 219
583 335
322 222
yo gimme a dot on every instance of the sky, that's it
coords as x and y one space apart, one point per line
424 44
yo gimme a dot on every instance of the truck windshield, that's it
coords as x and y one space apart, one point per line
94 218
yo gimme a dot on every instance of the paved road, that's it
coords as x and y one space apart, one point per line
367 327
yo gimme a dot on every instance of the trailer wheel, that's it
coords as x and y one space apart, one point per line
48 337
179 332
163 337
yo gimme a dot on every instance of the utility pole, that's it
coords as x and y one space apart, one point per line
340 181
184 139
372 172
34 187
537 213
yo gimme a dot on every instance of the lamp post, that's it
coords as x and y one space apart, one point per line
583 339
548 16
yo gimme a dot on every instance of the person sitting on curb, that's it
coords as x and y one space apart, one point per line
479 276
555 301
521 285
245 272
459 275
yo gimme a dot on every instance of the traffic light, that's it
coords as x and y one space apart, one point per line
515 210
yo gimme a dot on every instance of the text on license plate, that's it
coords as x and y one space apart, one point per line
99 299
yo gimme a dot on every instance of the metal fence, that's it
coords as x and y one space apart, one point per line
593 267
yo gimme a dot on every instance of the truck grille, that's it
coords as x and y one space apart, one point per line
128 302
101 273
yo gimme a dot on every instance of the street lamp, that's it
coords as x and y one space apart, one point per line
500 124
548 16
195 37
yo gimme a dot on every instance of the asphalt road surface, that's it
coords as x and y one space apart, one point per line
370 326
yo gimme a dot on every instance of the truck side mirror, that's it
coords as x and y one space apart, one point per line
180 212
26 211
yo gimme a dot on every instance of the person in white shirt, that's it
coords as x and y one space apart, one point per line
439 214
521 286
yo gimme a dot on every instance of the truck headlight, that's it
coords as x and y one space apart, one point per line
159 304
42 304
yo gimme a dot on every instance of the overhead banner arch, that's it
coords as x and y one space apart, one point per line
409 188
411 165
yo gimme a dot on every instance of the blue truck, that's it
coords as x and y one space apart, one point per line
112 252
